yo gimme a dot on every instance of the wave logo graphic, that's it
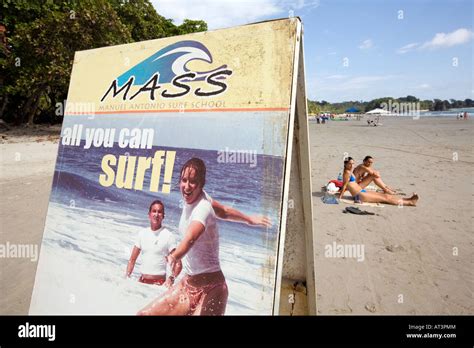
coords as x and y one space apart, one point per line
170 62
170 65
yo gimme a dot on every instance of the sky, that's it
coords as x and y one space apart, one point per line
363 49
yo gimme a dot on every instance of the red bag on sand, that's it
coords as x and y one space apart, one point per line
337 183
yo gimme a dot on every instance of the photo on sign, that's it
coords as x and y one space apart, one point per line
100 203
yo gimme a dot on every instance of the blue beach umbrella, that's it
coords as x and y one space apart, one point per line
352 109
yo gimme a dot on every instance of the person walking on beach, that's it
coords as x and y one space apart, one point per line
156 242
203 289
361 195
365 174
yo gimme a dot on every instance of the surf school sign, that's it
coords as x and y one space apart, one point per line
235 69
142 184
169 66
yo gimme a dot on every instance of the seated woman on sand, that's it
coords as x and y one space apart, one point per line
350 183
365 174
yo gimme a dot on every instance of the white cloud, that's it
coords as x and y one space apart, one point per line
331 51
441 40
366 44
365 81
227 13
218 13
407 48
335 77
335 82
424 86
300 4
346 87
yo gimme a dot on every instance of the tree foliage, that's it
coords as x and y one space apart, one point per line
315 107
40 38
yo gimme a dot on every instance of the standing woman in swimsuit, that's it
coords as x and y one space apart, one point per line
203 289
361 195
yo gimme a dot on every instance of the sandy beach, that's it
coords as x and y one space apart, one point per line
26 171
417 260
410 265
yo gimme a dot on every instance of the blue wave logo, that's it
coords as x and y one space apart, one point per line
170 62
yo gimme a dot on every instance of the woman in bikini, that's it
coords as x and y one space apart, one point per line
361 195
203 289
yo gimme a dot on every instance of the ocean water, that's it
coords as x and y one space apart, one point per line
90 231
451 112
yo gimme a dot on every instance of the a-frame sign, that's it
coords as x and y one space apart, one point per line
183 177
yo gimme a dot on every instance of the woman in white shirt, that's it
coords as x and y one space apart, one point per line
155 243
203 289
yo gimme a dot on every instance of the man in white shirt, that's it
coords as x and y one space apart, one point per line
155 243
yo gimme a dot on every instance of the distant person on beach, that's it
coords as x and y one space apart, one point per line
375 122
203 289
365 174
362 196
156 242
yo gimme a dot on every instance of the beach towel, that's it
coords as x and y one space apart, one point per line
351 201
371 187
337 183
329 199
332 188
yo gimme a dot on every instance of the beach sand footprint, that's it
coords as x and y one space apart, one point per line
394 248
370 307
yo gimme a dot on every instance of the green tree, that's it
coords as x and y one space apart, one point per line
191 26
432 105
376 103
438 105
42 36
409 99
142 20
43 50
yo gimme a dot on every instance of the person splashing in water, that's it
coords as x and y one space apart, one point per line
203 289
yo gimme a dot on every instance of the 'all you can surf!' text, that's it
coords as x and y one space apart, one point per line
125 171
